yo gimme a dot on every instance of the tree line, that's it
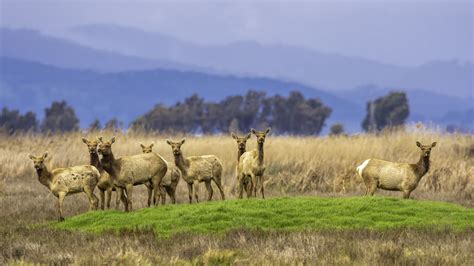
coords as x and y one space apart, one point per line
293 114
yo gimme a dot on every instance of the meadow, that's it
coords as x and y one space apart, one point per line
303 174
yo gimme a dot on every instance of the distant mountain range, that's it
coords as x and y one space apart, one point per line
33 46
328 71
101 82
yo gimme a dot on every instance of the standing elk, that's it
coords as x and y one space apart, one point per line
170 180
402 177
196 169
105 184
63 182
129 171
252 164
244 182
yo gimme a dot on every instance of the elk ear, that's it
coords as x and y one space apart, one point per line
418 144
143 146
100 139
85 140
433 144
168 141
253 131
233 135
268 130
31 156
112 140
183 140
45 155
248 135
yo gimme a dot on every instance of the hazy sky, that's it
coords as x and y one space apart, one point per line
399 32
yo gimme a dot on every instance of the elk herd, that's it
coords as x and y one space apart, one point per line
109 174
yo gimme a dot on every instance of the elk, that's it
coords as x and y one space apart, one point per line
105 184
402 177
251 164
243 183
195 169
63 182
169 181
129 171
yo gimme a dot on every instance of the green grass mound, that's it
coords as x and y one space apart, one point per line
280 214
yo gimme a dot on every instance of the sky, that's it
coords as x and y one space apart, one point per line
398 32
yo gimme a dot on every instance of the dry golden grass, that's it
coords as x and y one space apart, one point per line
295 166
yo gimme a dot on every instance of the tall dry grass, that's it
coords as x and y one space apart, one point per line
294 164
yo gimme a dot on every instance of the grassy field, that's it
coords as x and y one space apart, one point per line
298 168
280 214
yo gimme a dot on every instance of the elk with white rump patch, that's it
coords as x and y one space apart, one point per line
402 177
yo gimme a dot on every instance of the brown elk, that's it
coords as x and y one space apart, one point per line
170 180
252 164
402 177
244 182
196 169
129 171
63 182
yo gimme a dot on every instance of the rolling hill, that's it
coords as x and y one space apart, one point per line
32 45
328 71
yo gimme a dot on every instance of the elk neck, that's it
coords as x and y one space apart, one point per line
109 164
181 163
239 154
260 153
95 161
45 177
422 166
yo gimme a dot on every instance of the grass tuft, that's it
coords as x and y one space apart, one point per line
279 214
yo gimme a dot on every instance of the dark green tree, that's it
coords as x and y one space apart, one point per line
287 115
388 111
336 129
95 125
12 121
60 117
113 124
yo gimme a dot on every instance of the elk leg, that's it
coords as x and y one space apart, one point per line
163 195
406 194
190 191
209 190
372 188
61 197
93 201
219 186
171 193
149 188
108 197
262 189
102 198
196 183
241 188
129 190
248 187
254 184
121 196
